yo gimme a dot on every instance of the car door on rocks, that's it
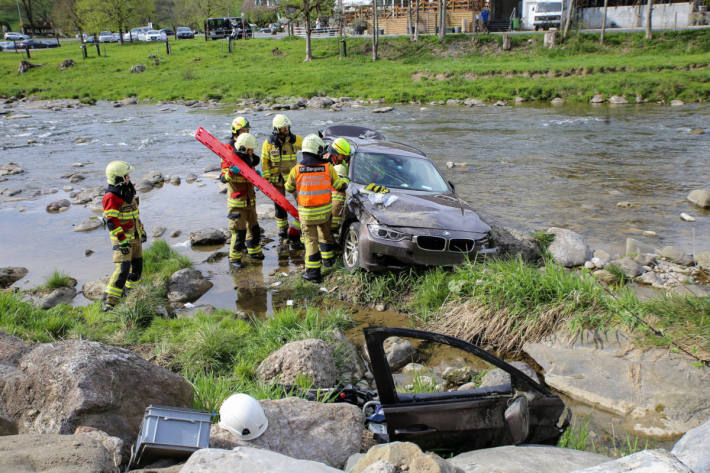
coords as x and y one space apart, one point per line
448 395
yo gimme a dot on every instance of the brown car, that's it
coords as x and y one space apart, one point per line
421 221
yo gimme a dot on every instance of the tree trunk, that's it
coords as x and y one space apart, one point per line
409 17
416 21
442 20
649 11
120 34
568 20
375 30
601 38
309 57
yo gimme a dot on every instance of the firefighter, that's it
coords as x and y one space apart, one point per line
339 154
241 202
239 125
278 154
126 231
312 181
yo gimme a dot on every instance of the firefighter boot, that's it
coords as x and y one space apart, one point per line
294 239
105 306
312 275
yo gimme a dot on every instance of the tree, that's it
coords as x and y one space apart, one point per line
119 14
375 31
568 20
416 21
649 12
442 20
601 38
66 17
36 12
303 9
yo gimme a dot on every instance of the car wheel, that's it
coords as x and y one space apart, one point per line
351 247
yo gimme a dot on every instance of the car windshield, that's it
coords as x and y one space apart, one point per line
105 33
397 172
549 7
183 28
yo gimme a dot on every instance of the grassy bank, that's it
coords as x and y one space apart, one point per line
217 353
674 65
507 303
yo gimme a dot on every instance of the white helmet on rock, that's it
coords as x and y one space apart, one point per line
242 415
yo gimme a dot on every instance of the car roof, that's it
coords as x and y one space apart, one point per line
368 140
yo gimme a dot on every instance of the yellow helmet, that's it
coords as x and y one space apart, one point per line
238 124
313 144
280 121
245 141
340 146
116 169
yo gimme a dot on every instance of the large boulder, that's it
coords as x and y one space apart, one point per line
249 460
61 295
692 449
11 349
636 248
54 453
312 358
646 461
351 367
10 274
94 290
87 195
568 248
605 371
319 102
207 237
7 426
628 266
406 456
676 255
57 387
154 177
526 459
58 206
702 259
497 376
187 285
511 242
700 197
323 432
399 352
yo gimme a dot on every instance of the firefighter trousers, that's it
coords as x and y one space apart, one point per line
246 234
318 240
129 268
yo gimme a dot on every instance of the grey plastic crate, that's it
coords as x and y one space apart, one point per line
173 432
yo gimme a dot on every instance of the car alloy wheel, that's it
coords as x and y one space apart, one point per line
351 247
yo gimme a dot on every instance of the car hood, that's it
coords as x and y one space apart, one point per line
443 211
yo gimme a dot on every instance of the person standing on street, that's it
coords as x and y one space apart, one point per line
312 181
126 232
241 201
278 155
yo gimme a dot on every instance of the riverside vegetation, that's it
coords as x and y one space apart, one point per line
513 302
674 65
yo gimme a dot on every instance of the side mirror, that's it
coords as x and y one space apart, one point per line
453 187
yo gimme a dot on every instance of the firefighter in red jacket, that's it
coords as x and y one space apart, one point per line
126 231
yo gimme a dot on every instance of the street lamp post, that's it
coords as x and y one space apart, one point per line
19 13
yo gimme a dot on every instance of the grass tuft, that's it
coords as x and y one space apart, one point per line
58 279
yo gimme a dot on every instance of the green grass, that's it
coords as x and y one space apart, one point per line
509 302
579 437
674 65
57 279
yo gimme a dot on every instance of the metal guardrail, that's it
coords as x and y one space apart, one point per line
301 31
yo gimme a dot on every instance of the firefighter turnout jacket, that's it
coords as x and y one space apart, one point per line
312 181
278 155
120 205
240 192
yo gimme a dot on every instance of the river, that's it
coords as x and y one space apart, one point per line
529 167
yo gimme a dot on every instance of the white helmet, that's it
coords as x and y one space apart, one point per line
242 415
280 120
246 141
313 144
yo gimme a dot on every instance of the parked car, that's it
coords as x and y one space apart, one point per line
51 43
107 37
183 32
12 36
421 221
6 45
138 34
155 35
518 410
88 38
167 31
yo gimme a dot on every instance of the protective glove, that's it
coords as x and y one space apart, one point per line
144 236
124 247
234 169
377 188
259 173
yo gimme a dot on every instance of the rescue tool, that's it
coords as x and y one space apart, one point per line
221 150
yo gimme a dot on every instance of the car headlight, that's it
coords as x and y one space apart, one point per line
386 233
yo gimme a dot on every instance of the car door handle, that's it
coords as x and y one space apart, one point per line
414 431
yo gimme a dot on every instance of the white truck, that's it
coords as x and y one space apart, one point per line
542 15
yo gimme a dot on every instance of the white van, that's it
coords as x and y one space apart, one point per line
542 14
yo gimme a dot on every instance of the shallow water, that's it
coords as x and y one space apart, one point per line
527 167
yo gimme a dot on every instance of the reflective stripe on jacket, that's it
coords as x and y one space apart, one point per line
313 194
240 192
123 218
279 158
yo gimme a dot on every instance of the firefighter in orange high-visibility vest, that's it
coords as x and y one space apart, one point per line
312 181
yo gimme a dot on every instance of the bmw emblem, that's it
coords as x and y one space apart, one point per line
447 233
